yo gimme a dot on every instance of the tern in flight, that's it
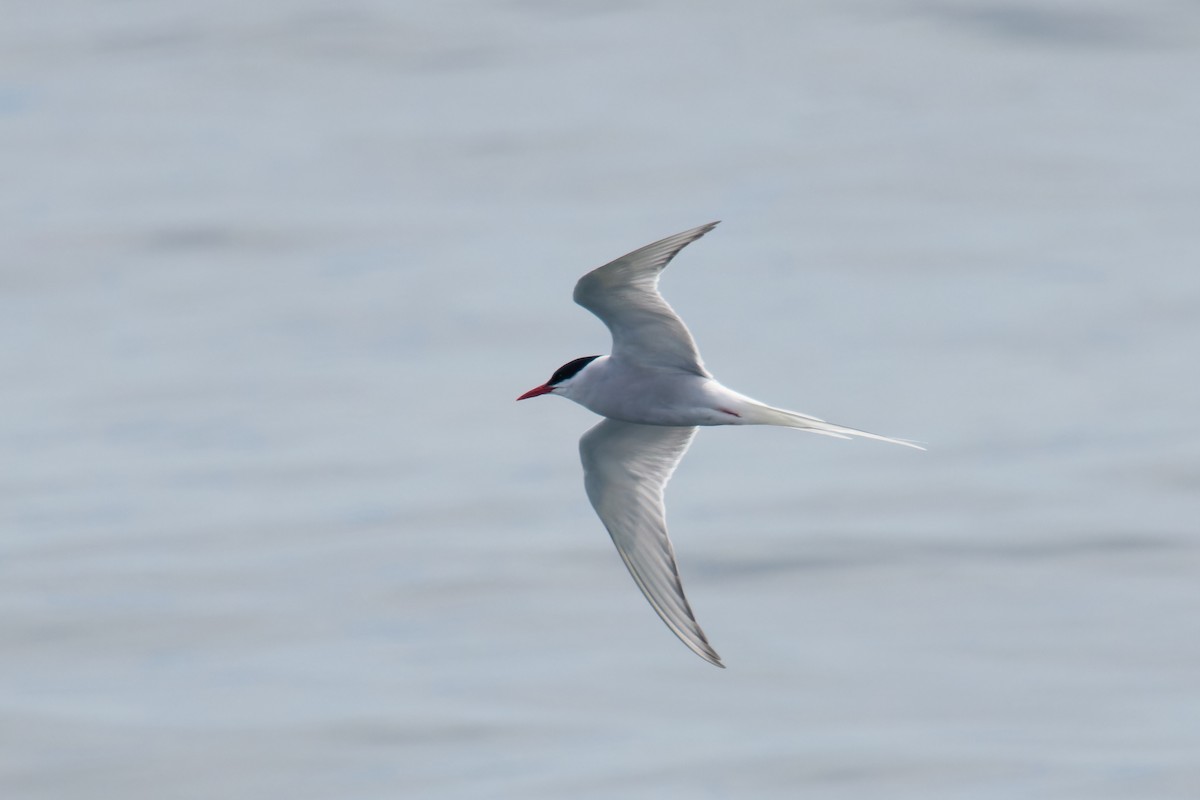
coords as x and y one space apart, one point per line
653 392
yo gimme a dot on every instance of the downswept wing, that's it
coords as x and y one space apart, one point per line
625 468
624 295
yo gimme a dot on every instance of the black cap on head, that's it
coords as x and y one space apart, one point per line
569 370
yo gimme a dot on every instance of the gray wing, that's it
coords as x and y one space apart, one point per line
624 295
625 468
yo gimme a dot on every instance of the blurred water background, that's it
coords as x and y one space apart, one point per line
273 273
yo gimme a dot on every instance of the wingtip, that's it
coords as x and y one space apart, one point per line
693 234
702 648
708 654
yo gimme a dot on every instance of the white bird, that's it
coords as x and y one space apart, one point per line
653 392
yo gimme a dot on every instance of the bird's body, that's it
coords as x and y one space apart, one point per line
652 395
653 391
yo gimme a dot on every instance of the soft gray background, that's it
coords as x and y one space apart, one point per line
273 273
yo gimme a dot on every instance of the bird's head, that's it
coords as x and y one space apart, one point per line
560 381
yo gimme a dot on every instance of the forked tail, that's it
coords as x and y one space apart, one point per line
755 413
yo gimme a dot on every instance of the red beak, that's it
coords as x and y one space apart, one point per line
535 391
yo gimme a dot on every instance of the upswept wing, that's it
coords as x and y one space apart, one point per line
624 295
626 466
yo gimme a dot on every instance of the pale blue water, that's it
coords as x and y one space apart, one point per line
273 526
